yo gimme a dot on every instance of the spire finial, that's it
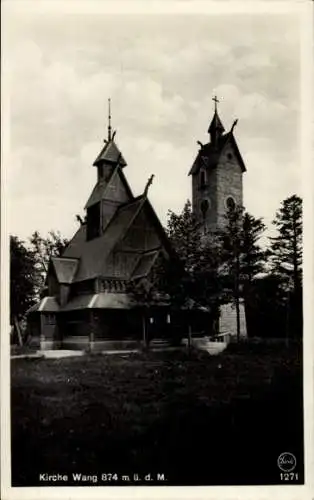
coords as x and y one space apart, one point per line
216 100
109 119
149 182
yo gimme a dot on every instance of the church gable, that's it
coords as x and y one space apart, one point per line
230 154
141 234
120 264
65 269
229 158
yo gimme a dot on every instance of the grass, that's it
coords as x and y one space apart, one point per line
198 419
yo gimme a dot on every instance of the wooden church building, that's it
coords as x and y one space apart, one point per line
121 239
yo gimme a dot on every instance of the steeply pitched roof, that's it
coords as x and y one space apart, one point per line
97 194
65 269
107 255
100 189
110 153
209 154
93 253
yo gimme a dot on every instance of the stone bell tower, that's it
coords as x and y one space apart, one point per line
217 185
216 176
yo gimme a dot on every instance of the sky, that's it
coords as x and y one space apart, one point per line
161 72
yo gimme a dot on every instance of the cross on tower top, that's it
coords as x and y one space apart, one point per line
216 100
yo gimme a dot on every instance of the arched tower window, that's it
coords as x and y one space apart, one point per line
230 203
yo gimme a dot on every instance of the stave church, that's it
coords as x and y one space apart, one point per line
87 304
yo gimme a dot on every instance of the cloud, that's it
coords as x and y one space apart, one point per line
161 73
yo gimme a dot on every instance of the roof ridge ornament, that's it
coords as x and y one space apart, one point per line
233 125
149 182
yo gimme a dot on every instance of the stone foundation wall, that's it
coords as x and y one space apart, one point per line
84 344
47 345
115 345
76 343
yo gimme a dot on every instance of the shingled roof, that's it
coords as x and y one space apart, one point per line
108 300
107 255
110 153
47 304
209 154
93 254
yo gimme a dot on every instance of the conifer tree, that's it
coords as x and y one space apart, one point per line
253 257
242 255
286 247
286 261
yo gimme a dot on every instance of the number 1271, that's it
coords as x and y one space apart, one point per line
289 476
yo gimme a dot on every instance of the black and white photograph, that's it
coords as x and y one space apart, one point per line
154 195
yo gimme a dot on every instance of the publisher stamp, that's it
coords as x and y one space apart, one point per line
286 462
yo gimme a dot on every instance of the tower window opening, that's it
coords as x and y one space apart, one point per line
204 207
230 203
100 172
93 221
202 178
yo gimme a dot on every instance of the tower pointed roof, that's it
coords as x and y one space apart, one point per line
111 154
216 124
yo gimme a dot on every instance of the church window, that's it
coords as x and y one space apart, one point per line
230 203
93 221
229 156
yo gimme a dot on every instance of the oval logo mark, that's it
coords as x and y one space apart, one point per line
286 461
